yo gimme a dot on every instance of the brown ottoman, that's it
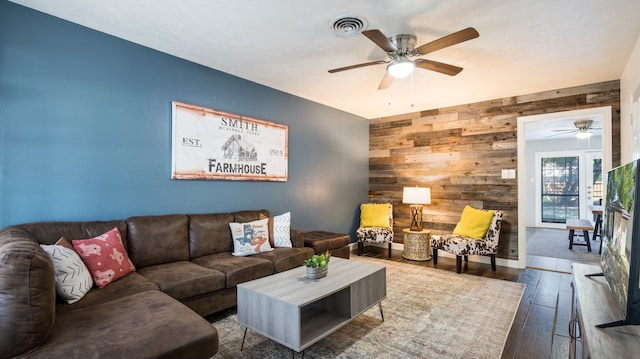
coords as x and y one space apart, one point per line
322 241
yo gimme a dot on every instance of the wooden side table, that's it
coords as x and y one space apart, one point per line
417 245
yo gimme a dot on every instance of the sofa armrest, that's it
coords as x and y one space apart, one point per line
297 238
28 300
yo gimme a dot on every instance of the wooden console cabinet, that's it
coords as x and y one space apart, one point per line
593 304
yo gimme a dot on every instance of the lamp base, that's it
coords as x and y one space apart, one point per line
416 217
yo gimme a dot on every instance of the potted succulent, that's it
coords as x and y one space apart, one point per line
318 265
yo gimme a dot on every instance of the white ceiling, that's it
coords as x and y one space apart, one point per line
524 46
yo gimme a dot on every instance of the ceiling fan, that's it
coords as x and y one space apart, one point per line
582 129
400 48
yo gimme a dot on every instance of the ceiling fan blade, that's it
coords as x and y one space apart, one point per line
559 134
386 81
438 67
449 40
357 66
380 39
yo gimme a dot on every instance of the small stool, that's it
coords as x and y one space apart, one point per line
322 241
583 225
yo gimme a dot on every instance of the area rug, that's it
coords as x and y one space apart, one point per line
554 243
428 313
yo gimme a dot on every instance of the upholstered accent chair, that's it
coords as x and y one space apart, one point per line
374 232
463 246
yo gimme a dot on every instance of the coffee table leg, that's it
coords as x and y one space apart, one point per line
380 305
244 336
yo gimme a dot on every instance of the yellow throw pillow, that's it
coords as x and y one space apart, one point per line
374 215
474 223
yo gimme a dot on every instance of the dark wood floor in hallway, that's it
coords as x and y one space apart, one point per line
540 328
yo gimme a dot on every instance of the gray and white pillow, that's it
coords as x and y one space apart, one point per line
281 230
73 279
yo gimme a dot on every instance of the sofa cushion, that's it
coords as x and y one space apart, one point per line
184 279
251 237
150 324
27 293
209 234
131 284
249 216
73 279
50 232
237 269
105 257
158 239
286 258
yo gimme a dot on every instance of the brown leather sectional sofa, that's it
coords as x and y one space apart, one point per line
184 271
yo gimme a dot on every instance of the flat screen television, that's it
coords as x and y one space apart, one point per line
621 241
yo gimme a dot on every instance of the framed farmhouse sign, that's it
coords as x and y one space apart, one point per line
215 145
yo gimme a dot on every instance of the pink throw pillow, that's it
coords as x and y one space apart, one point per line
105 257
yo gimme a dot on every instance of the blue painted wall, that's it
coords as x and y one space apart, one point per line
85 133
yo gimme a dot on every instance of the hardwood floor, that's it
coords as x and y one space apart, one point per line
540 327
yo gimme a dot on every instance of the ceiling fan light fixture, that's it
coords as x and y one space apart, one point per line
582 134
584 128
401 68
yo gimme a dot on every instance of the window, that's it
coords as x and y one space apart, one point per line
560 192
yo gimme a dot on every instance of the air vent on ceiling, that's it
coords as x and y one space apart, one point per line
349 25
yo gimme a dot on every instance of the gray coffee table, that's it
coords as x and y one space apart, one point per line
297 312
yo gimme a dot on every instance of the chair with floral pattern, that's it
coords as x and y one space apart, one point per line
463 246
375 234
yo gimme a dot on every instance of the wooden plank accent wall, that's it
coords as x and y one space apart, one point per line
460 151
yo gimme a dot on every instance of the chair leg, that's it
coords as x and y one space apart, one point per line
493 262
459 264
585 234
435 256
571 233
389 249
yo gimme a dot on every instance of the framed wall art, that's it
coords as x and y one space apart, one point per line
208 144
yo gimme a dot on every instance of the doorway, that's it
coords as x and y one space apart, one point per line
559 132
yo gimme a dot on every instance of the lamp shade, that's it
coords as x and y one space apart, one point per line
416 195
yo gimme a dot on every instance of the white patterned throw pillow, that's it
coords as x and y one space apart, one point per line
73 279
281 230
250 238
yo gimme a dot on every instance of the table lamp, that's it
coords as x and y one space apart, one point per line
416 197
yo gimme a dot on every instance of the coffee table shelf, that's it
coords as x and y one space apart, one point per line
297 312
